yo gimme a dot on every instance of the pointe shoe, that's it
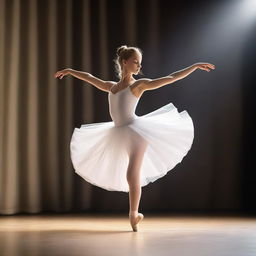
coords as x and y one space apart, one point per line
135 220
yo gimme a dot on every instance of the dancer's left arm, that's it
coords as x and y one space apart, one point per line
151 84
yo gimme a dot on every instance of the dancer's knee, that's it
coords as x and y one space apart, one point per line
133 177
134 167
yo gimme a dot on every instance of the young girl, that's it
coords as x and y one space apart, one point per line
131 151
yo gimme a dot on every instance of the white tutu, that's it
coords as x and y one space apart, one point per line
99 151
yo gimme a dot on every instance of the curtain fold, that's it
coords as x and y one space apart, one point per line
2 101
33 192
11 161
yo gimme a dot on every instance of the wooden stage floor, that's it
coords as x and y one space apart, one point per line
110 235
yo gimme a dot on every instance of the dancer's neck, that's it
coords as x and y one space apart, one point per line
126 78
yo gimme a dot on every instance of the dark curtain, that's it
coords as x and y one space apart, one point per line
38 112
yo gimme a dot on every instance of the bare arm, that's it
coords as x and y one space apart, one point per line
87 77
151 84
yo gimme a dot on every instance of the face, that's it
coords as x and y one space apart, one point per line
133 64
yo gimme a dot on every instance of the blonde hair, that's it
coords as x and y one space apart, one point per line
124 52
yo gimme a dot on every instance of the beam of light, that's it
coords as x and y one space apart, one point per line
248 9
227 26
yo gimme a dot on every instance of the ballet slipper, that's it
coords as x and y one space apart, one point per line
134 220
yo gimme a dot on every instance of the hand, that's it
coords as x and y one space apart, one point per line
205 66
62 73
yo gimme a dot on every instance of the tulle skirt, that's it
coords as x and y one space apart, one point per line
100 152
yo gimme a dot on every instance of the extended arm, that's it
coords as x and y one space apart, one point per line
87 77
151 84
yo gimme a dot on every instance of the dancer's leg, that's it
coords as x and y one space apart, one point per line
133 177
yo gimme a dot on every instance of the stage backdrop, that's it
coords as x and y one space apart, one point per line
38 112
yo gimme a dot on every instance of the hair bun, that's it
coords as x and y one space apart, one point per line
120 49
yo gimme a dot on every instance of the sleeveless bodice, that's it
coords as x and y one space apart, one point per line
122 106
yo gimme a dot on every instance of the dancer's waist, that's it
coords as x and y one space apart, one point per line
126 121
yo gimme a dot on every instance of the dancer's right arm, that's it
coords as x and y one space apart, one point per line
87 77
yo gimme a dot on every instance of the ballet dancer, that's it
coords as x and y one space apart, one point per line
131 151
